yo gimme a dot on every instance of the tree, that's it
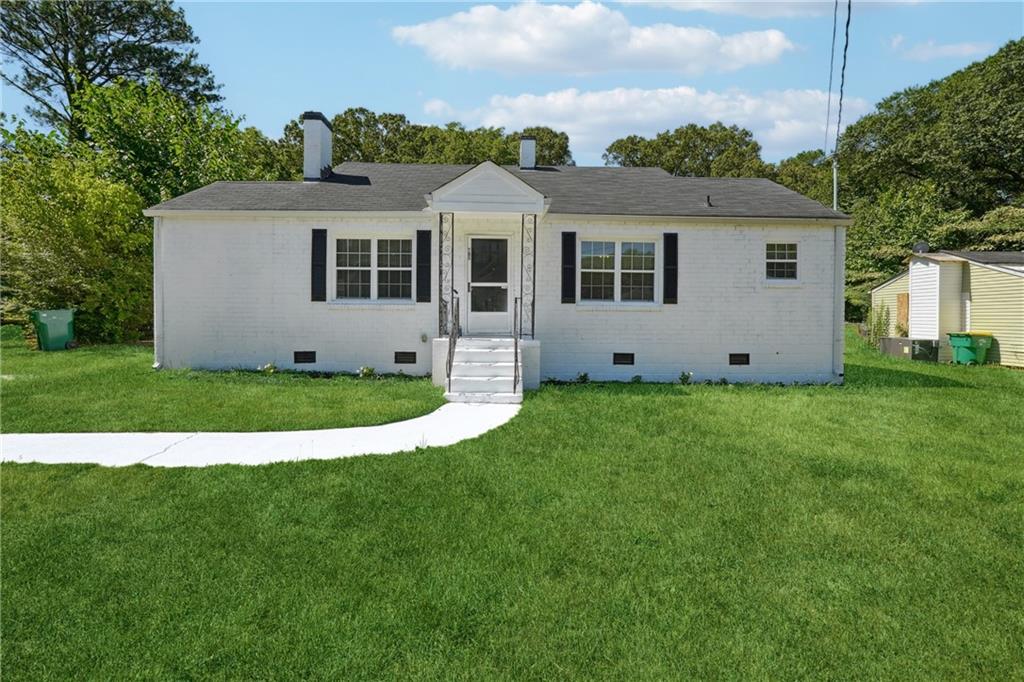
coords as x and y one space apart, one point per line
552 146
884 231
694 151
363 135
155 142
62 46
71 238
72 226
808 173
963 133
1001 229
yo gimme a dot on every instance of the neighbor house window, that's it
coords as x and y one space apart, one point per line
374 268
637 265
597 271
617 271
394 268
354 268
780 261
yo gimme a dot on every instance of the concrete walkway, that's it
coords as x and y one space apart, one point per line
446 425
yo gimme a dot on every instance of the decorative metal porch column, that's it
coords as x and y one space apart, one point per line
527 274
445 269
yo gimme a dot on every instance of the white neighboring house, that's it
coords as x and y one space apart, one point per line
554 271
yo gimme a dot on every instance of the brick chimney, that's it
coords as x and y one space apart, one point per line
317 145
527 152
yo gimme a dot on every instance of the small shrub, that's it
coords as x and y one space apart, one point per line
582 378
901 330
267 369
366 373
636 379
685 377
878 324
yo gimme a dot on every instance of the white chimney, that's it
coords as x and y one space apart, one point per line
527 151
317 144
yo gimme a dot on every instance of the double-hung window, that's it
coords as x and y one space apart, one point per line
617 271
637 264
374 269
394 268
597 271
354 259
780 261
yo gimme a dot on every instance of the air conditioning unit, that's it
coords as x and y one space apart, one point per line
925 349
896 346
910 349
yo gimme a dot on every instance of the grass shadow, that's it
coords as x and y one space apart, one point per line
858 375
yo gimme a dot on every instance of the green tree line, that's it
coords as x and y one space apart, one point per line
136 120
941 163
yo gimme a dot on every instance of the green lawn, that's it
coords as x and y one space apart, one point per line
626 531
114 388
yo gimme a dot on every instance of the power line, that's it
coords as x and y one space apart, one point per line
842 75
831 70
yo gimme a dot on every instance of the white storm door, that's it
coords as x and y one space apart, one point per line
489 303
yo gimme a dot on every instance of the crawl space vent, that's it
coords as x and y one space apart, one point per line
405 357
305 357
622 358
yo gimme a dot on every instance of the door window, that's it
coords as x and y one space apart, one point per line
489 261
489 276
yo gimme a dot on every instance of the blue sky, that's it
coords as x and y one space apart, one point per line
596 70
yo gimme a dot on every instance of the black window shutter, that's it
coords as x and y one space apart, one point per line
568 267
423 266
318 267
670 290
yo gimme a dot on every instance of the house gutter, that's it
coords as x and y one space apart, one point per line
158 294
694 220
838 303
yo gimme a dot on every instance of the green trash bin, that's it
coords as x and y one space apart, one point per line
55 329
970 348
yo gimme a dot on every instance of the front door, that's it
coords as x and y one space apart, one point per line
489 302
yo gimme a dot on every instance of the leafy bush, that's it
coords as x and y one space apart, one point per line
73 230
72 239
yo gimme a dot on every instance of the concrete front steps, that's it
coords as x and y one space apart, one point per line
483 371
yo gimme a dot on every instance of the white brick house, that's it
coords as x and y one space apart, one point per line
612 272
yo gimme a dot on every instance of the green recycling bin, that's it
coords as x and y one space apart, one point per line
55 329
970 348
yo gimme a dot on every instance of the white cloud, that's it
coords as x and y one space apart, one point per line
438 108
928 51
584 38
783 121
896 41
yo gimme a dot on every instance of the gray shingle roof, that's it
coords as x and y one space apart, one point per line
571 189
991 257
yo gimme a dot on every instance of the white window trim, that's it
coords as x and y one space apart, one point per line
373 301
776 282
617 303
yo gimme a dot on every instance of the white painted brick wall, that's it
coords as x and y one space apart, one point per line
725 306
235 293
